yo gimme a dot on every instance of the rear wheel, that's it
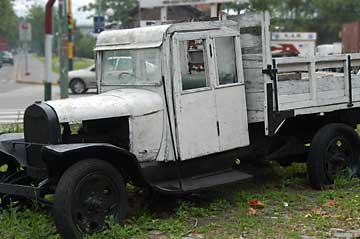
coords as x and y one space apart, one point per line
334 152
87 193
77 86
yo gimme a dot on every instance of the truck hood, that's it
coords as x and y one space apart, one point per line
116 103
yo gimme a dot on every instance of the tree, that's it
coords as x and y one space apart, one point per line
9 22
331 15
121 9
37 19
84 44
325 17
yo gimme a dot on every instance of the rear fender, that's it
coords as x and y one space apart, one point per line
60 157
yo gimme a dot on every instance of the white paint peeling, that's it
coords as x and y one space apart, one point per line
116 103
135 38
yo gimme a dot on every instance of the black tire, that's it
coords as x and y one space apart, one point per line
77 86
335 150
86 194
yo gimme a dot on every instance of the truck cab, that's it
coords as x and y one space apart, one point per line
198 73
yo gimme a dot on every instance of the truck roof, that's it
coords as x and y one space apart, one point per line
150 37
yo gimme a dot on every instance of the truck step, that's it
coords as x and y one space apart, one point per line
203 181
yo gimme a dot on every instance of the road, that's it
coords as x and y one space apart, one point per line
15 96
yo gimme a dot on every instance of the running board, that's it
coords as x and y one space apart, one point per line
202 181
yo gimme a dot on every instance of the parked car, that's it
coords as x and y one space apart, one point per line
80 81
7 57
117 67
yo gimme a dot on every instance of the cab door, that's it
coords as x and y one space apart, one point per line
229 92
207 94
195 108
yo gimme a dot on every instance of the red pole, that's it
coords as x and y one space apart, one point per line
48 16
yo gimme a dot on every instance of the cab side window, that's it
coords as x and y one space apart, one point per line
226 60
193 64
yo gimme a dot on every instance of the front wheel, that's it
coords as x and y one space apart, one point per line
87 193
335 151
77 86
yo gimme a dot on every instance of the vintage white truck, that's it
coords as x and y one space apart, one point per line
193 102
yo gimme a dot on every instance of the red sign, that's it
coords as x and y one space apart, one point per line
284 50
24 26
4 44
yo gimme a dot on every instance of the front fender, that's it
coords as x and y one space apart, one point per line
12 148
60 157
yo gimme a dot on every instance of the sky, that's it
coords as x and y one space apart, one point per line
21 8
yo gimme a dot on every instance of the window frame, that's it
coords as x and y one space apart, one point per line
107 84
206 66
189 36
238 61
211 72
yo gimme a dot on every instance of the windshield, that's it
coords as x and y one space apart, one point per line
131 67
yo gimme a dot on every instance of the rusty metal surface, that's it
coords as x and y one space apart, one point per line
351 37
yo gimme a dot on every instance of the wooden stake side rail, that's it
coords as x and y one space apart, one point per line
308 84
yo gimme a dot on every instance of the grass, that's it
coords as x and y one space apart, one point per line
79 63
291 209
11 128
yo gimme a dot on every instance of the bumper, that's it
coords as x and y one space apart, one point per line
8 61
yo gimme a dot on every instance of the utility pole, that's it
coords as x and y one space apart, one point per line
70 36
63 54
99 8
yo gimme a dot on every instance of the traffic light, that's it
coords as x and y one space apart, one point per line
70 22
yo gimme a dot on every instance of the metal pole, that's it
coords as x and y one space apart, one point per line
70 36
139 15
48 49
26 59
48 65
99 8
63 36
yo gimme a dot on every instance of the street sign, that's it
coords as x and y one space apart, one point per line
166 3
99 24
4 43
25 32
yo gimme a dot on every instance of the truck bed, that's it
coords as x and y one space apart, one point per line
318 84
301 85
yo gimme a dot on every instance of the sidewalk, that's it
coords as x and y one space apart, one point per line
36 69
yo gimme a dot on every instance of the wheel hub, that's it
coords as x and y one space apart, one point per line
339 157
96 198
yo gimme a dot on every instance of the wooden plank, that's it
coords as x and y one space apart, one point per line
286 99
292 67
253 79
248 20
324 108
253 61
250 41
255 101
313 80
329 64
